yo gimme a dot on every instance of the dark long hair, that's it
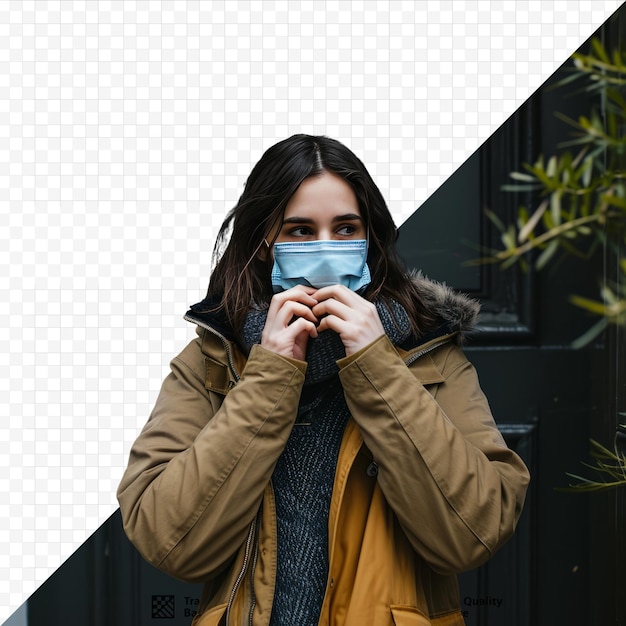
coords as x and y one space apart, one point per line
242 263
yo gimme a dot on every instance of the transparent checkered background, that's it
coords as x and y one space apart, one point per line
127 129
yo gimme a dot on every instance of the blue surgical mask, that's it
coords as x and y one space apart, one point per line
320 263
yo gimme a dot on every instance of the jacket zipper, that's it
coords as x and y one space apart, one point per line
430 348
252 568
244 566
229 355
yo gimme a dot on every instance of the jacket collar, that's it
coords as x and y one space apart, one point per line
207 315
456 312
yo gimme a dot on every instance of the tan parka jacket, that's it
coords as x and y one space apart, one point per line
425 486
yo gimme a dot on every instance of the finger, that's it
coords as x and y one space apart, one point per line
300 343
332 322
286 313
302 326
338 292
332 307
300 293
290 340
286 310
296 294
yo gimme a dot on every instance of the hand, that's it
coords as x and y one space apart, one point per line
290 322
355 319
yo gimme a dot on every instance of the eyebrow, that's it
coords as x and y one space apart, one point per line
348 217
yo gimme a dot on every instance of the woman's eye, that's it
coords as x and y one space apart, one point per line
300 231
346 230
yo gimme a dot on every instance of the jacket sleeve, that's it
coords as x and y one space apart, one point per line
197 471
444 468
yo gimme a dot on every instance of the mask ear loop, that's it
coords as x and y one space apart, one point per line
268 245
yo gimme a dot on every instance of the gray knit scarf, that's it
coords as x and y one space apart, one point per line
305 471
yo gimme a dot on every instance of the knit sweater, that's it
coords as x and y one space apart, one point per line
304 474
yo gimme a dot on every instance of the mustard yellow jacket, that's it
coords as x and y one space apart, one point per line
425 486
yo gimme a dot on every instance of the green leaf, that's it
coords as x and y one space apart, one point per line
547 220
547 254
516 188
508 238
618 99
609 296
600 51
614 200
495 220
523 177
587 171
580 479
588 336
575 75
555 207
543 177
617 59
593 306
530 225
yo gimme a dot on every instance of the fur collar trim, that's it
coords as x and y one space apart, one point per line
456 310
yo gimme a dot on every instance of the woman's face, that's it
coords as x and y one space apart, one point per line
324 207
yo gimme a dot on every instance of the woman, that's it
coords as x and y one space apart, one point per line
322 452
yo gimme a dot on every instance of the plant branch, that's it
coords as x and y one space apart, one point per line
549 235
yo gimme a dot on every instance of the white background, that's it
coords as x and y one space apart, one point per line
127 129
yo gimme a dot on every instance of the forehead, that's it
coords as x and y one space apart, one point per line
322 194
